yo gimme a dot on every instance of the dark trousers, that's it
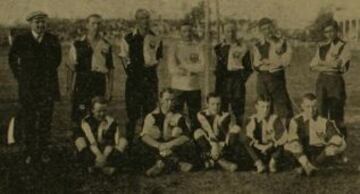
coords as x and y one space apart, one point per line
140 99
331 96
273 86
35 121
192 99
232 91
87 86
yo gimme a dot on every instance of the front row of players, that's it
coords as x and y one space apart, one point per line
166 143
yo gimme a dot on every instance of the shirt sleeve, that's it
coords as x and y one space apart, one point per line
149 123
292 133
172 61
124 49
316 59
72 60
345 57
256 57
285 57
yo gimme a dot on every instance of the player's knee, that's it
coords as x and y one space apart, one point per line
80 144
176 132
293 147
235 129
199 133
122 144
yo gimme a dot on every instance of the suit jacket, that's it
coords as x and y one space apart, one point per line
34 65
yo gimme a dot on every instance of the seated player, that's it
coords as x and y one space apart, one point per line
99 141
220 143
312 138
267 134
165 142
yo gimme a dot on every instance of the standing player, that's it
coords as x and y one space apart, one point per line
90 58
312 138
268 134
140 53
165 139
271 56
34 58
99 141
232 71
219 142
332 60
186 62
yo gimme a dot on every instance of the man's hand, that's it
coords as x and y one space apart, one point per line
164 147
215 151
264 147
265 62
100 161
212 137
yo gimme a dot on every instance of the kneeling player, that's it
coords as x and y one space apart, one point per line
311 138
165 138
99 142
267 134
219 143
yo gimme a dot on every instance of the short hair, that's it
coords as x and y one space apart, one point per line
332 23
99 100
309 96
93 16
165 90
142 11
265 21
212 95
263 98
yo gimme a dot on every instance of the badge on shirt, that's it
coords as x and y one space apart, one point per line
194 58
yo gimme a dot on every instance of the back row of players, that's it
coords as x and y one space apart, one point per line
166 137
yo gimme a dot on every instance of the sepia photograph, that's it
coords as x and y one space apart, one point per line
179 96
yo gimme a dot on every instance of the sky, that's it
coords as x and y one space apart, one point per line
288 13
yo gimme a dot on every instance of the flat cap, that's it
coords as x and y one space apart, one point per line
36 14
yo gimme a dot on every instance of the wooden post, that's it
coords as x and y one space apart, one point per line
218 20
207 42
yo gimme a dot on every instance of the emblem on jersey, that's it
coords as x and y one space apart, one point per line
194 57
152 44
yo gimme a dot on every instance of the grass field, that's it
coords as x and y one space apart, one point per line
344 179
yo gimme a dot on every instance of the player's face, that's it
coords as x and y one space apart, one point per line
214 105
143 20
330 33
309 107
99 111
167 102
94 24
38 25
262 109
266 30
186 32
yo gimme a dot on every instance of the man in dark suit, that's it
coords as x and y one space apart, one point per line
34 58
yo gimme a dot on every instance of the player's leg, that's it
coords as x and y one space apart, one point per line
193 101
204 148
133 102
